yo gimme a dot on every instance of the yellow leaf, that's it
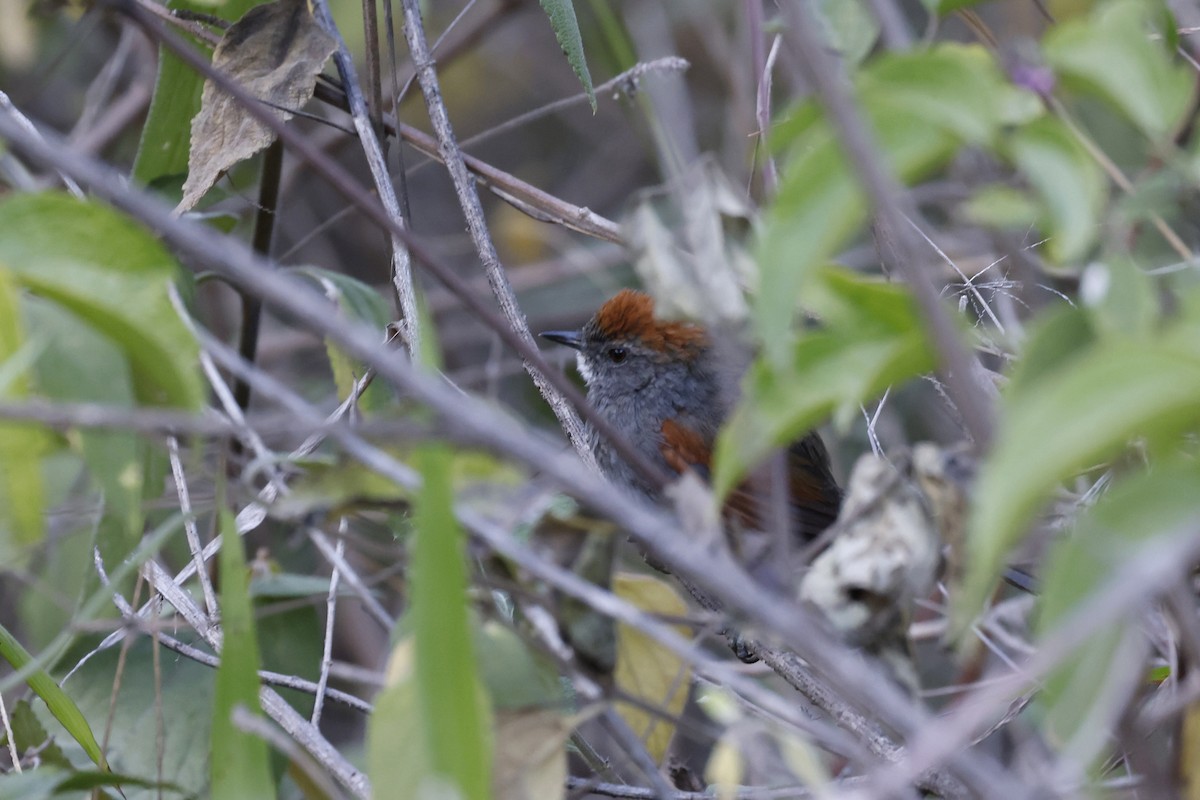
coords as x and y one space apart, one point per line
725 768
1189 753
530 760
646 669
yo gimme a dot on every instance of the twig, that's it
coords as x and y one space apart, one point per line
762 66
275 706
892 24
11 740
468 199
264 230
330 615
340 567
266 676
31 129
1130 586
627 792
624 83
401 272
189 525
252 723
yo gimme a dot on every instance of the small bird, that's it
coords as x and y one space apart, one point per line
661 384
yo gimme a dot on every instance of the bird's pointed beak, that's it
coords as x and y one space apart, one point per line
571 339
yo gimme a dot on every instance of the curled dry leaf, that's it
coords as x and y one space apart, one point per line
887 549
274 52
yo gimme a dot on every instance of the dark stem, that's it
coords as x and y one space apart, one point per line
264 228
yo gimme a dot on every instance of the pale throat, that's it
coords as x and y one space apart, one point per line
584 370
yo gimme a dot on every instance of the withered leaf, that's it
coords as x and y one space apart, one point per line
274 52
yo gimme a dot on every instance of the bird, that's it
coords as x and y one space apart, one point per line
663 385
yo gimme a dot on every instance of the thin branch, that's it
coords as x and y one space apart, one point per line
266 676
275 706
335 557
252 723
624 83
189 525
401 272
468 199
264 229
330 616
10 739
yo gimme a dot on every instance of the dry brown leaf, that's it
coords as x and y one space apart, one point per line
274 52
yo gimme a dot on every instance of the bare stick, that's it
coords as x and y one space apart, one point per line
189 525
340 567
468 199
401 268
330 616
8 734
252 723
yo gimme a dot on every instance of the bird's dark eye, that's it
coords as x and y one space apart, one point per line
617 354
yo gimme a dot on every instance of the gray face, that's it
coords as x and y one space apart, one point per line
637 388
617 367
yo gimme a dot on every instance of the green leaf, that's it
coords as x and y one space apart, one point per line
398 747
456 731
943 7
33 785
166 136
1074 417
920 108
1070 184
819 206
111 274
79 366
97 601
360 302
956 88
516 677
240 761
873 338
1058 337
1123 299
59 702
28 734
22 497
182 690
566 29
1111 54
850 28
1134 517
